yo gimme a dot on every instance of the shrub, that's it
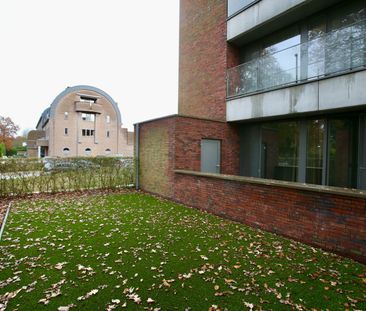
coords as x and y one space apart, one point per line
22 176
2 150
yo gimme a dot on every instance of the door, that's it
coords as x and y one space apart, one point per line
210 155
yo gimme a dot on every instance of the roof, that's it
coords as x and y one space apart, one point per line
50 111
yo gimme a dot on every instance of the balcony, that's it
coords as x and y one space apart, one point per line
328 55
89 107
250 20
236 6
43 142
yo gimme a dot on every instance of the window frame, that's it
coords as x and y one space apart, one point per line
351 175
87 132
88 117
87 151
66 151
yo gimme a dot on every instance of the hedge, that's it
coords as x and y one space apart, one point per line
24 176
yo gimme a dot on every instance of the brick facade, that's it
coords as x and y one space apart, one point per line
188 135
65 130
204 57
156 156
333 222
174 142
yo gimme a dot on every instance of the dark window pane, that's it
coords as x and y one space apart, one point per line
279 153
362 152
315 152
342 153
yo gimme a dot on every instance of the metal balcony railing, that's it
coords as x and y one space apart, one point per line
333 53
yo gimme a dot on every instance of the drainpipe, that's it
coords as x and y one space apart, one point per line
137 142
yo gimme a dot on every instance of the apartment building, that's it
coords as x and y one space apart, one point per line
81 121
271 124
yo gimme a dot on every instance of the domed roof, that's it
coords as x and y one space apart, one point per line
77 88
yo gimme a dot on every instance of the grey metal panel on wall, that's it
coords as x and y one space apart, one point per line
210 155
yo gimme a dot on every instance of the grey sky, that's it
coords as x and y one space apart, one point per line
127 48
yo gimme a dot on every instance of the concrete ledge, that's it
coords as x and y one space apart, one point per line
179 116
340 91
279 183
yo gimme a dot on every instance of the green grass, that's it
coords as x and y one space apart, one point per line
126 244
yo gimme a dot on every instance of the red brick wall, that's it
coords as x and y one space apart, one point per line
333 222
204 56
175 143
156 156
189 133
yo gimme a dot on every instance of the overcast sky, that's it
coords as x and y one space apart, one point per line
127 48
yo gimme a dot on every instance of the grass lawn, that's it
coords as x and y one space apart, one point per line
133 251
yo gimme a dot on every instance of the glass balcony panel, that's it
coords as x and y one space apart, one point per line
338 51
329 54
236 5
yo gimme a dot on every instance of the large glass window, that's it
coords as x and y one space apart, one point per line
279 151
328 43
315 151
361 173
329 151
234 6
342 153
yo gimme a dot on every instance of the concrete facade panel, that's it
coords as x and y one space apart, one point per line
296 99
344 91
334 93
258 14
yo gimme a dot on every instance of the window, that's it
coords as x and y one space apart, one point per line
329 42
108 151
108 119
66 115
88 117
66 151
87 132
327 151
342 153
89 99
66 131
88 151
279 150
107 134
315 151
